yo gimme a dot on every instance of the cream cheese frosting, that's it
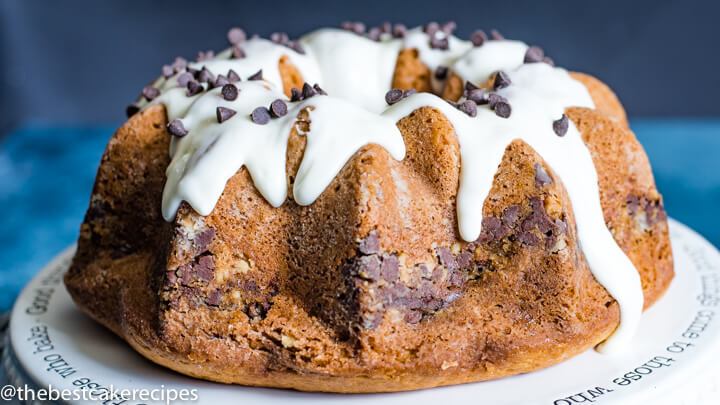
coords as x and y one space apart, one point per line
357 72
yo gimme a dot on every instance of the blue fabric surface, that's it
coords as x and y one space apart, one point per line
46 175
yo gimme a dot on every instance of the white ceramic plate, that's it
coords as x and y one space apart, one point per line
54 343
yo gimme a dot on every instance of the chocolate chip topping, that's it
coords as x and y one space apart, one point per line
431 28
478 96
184 78
319 90
278 108
374 34
150 92
560 126
503 109
260 116
205 76
295 95
295 46
237 52
307 91
541 176
468 107
194 88
502 80
399 31
496 35
468 88
131 110
203 56
236 35
233 76
179 64
280 38
534 54
409 92
439 43
478 38
167 71
257 76
549 61
393 96
494 98
176 128
229 92
223 114
448 28
441 72
354 26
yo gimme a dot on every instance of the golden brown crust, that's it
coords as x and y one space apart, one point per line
370 288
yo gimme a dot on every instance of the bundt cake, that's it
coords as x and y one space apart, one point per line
371 210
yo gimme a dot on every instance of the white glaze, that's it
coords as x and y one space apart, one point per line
358 72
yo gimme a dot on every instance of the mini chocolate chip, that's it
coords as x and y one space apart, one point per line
371 244
236 35
399 31
295 46
257 76
205 268
223 114
179 64
503 109
279 38
229 92
409 92
439 43
478 96
449 27
176 128
220 81
541 176
393 96
131 110
278 108
431 28
295 95
468 107
237 52
386 27
214 298
549 61
529 239
260 116
496 35
354 26
510 215
441 72
194 88
560 126
502 80
192 71
307 91
534 54
319 90
233 76
205 76
374 34
167 71
494 98
150 92
478 38
468 88
203 56
184 78
203 239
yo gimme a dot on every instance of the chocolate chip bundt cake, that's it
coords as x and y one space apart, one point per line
364 211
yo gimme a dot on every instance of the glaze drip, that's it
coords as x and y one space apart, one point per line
357 72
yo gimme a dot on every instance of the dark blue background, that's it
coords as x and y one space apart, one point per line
70 68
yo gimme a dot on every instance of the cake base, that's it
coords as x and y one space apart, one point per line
51 342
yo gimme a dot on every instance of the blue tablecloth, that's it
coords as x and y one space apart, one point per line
46 175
